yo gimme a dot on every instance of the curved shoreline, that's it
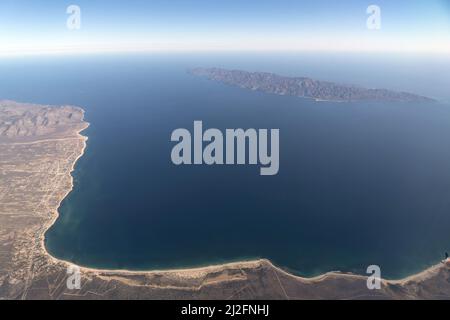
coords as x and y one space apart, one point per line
67 192
201 270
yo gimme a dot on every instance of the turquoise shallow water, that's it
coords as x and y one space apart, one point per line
359 184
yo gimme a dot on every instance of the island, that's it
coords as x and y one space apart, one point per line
39 147
304 87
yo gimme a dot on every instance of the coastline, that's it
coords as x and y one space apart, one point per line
195 272
44 177
56 214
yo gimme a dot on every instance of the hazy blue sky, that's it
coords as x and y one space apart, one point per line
38 26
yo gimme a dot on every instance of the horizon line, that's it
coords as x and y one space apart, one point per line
65 52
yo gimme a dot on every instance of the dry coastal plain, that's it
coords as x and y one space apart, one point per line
39 146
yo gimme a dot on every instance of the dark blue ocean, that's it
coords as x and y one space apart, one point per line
359 183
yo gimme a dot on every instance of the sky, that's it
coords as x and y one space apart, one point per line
40 26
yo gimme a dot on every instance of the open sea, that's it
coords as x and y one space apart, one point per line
359 183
